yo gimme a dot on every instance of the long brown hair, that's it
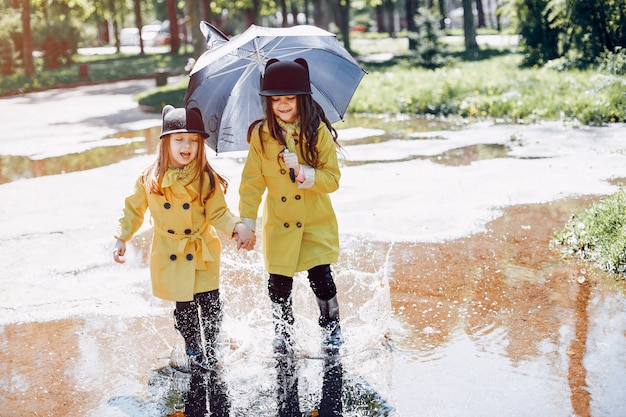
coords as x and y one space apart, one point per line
311 115
152 176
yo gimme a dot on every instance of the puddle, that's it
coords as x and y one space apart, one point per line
120 147
126 145
453 157
495 323
464 318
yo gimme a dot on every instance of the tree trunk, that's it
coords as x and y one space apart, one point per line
380 19
27 42
139 24
306 12
173 18
116 29
320 13
481 13
442 12
389 7
205 12
411 11
344 21
468 26
249 17
294 13
195 17
283 11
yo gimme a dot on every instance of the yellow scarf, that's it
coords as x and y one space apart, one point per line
185 175
291 130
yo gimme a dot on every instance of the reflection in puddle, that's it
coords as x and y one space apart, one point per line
13 168
491 324
453 157
502 307
126 145
144 141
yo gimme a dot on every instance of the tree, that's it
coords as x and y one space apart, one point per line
172 16
594 26
197 13
468 26
343 8
481 13
27 43
320 13
411 11
442 13
538 24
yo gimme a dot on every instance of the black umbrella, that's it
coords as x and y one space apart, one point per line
225 81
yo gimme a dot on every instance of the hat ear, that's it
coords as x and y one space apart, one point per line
270 62
168 108
302 62
196 111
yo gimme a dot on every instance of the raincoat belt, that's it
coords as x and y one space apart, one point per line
201 250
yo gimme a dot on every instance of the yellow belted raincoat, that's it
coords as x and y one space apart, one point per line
299 224
185 253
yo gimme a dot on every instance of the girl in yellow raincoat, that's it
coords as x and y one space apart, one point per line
186 201
293 155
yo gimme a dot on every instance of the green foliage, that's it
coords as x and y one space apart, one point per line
7 52
101 68
595 26
576 31
57 40
496 88
613 62
155 100
427 38
10 41
537 24
598 234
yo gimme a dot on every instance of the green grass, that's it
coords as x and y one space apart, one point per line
494 88
598 234
486 84
101 68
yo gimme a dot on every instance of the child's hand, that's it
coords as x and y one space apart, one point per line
291 160
245 237
119 251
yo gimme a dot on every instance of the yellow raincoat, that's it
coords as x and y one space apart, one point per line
185 254
299 224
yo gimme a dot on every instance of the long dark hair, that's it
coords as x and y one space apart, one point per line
311 115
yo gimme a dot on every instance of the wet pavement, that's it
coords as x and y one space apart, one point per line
454 302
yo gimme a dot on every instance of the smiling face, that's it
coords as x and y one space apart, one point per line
285 107
183 148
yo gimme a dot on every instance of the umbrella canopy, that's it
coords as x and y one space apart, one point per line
225 81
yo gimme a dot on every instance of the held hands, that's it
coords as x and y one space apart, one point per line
291 160
245 237
119 251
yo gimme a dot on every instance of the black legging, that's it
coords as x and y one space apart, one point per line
320 280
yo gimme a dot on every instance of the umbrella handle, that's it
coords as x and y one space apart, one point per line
292 173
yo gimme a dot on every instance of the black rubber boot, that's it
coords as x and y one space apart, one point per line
282 315
332 339
287 387
195 401
332 386
323 286
187 322
211 316
219 402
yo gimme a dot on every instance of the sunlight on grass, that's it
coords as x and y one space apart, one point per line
598 234
496 88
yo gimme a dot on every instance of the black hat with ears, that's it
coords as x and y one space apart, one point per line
182 120
285 78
